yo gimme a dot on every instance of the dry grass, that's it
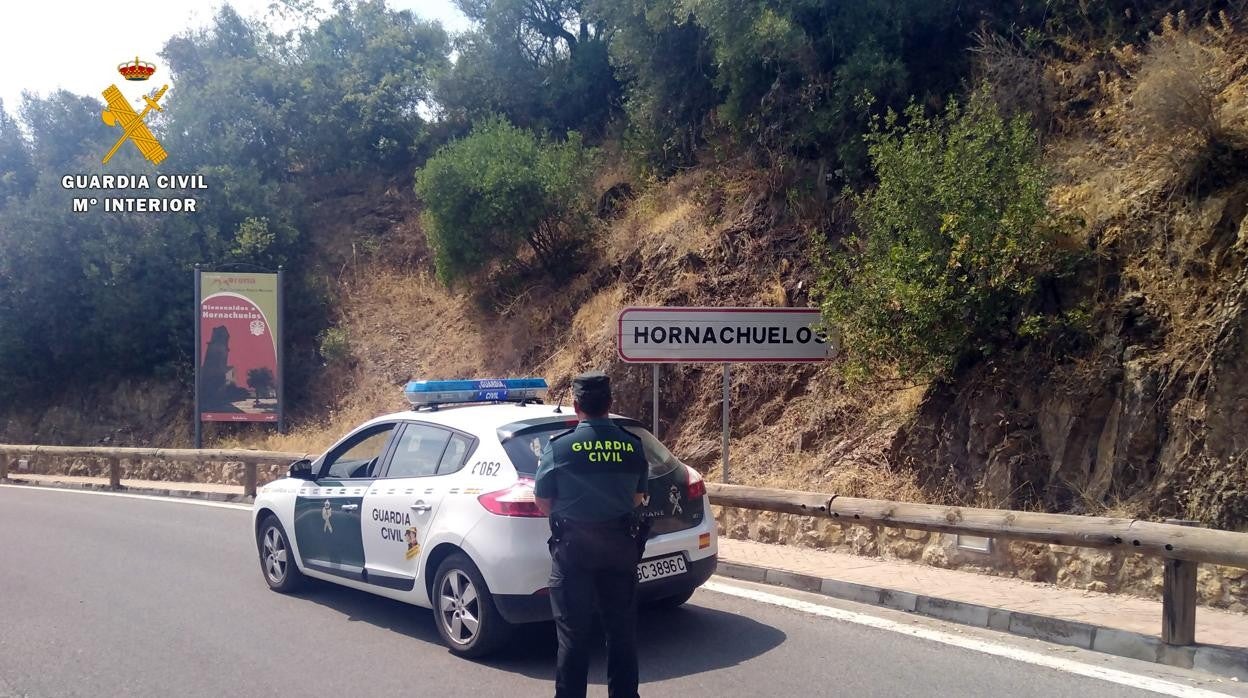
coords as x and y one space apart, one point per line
1172 111
664 220
793 426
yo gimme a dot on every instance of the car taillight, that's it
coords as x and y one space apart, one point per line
516 500
696 487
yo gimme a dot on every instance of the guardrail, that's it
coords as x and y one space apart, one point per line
114 456
1181 546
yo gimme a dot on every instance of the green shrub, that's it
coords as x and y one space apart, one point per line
335 345
953 240
499 188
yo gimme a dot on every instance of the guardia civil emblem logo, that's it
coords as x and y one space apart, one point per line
119 113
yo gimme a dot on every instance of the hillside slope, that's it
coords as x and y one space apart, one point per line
1147 416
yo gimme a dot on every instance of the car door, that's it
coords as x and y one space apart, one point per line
399 507
327 516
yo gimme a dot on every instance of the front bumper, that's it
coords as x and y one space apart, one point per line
533 608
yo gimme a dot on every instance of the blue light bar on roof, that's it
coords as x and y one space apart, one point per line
446 392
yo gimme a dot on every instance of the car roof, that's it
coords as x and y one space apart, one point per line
476 418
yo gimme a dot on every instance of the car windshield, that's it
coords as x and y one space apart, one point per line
524 442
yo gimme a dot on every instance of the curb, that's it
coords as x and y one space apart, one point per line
1212 659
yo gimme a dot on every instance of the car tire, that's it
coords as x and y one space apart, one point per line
464 611
668 602
277 560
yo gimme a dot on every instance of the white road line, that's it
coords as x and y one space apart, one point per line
1146 683
151 497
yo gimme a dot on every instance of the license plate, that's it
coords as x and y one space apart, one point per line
659 568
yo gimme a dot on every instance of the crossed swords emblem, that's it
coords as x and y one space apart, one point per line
120 113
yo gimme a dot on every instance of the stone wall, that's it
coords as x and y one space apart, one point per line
1066 566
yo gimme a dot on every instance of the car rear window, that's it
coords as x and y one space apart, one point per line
524 442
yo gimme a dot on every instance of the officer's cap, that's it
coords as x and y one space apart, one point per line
594 384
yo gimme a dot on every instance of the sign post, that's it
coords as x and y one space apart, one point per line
281 353
727 417
655 410
199 425
724 336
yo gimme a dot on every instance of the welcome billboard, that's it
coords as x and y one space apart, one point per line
238 364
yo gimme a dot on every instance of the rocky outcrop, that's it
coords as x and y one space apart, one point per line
1144 423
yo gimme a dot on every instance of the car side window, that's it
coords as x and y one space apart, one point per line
360 456
455 455
418 451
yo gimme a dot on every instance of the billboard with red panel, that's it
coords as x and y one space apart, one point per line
237 368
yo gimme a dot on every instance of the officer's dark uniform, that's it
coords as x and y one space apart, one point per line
591 472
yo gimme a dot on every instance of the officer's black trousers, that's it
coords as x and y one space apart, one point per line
595 567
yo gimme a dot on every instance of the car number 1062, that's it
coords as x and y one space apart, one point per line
650 570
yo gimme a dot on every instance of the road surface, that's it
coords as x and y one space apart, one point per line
122 596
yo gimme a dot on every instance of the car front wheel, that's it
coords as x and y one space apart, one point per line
464 611
277 560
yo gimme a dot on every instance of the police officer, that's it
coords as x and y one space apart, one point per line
590 481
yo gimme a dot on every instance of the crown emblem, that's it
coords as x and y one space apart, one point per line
138 70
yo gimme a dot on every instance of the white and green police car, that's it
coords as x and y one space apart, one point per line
435 507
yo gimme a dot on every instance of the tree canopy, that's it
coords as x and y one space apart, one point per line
514 109
263 117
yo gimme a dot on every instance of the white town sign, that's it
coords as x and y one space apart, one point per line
723 335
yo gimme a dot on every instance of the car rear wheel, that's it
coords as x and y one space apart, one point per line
464 610
277 561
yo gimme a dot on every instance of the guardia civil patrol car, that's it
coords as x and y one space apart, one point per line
435 507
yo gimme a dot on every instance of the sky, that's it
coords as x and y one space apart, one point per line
77 44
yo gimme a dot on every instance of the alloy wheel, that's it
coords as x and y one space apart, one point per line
459 608
275 558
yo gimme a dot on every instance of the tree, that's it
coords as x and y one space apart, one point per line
664 59
953 240
17 170
261 380
541 63
365 72
64 130
502 186
793 74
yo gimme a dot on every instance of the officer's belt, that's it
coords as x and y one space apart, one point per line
617 524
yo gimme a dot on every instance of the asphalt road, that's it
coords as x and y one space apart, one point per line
112 596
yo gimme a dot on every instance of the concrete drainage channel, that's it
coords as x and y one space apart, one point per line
1211 659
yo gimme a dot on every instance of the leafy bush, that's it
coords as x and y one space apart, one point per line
953 239
335 345
501 187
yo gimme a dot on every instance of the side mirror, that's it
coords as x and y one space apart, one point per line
301 469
